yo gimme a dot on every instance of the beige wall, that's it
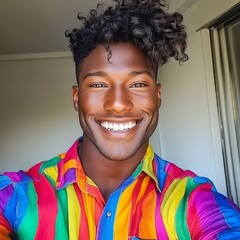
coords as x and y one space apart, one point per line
37 120
189 123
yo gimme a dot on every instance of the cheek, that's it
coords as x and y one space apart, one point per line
148 103
89 104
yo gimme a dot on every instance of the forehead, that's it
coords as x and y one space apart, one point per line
125 57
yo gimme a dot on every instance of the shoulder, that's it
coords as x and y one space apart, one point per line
207 213
171 176
11 180
16 187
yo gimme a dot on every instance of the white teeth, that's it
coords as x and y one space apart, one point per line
121 127
118 127
115 127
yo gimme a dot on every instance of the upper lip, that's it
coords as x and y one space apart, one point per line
119 120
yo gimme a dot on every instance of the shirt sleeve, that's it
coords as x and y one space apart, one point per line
5 229
12 196
6 191
210 215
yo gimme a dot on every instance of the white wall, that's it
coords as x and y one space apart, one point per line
37 120
188 122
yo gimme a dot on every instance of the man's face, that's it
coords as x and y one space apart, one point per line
117 100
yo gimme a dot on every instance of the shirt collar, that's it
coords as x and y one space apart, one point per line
71 171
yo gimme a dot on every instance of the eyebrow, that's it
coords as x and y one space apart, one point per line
140 72
95 74
103 74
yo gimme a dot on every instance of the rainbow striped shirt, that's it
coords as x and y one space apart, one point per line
56 200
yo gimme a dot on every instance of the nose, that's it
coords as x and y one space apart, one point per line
118 100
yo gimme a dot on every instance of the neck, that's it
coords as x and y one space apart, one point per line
107 174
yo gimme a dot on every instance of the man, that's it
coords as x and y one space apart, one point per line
110 185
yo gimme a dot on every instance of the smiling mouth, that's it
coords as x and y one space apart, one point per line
118 126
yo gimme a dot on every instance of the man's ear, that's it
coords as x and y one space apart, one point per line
75 97
159 92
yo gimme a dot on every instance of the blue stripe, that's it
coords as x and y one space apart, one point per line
160 171
16 208
106 223
230 212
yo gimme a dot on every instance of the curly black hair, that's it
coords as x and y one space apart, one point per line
159 34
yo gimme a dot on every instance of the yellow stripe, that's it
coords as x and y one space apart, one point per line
122 218
74 213
170 203
89 204
147 164
52 172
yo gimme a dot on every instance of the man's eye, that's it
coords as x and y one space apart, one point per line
138 85
98 85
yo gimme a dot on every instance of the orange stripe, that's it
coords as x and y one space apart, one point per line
69 164
4 237
147 224
4 232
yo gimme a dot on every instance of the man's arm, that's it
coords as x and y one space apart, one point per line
210 215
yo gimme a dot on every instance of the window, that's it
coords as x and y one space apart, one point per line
225 41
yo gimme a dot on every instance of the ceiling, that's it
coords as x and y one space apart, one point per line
37 26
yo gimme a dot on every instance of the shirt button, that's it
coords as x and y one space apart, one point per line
109 214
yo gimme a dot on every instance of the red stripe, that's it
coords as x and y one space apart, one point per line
135 193
138 211
83 229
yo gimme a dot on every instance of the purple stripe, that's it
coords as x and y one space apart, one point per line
69 177
15 176
5 195
160 228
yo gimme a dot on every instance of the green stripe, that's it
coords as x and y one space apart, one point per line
28 227
49 163
62 217
181 214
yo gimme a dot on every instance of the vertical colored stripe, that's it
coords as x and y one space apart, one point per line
135 194
181 214
84 226
47 209
31 216
160 228
62 216
74 213
161 174
170 204
147 228
123 211
106 223
138 207
62 228
18 204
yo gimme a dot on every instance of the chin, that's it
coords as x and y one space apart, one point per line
122 152
118 157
